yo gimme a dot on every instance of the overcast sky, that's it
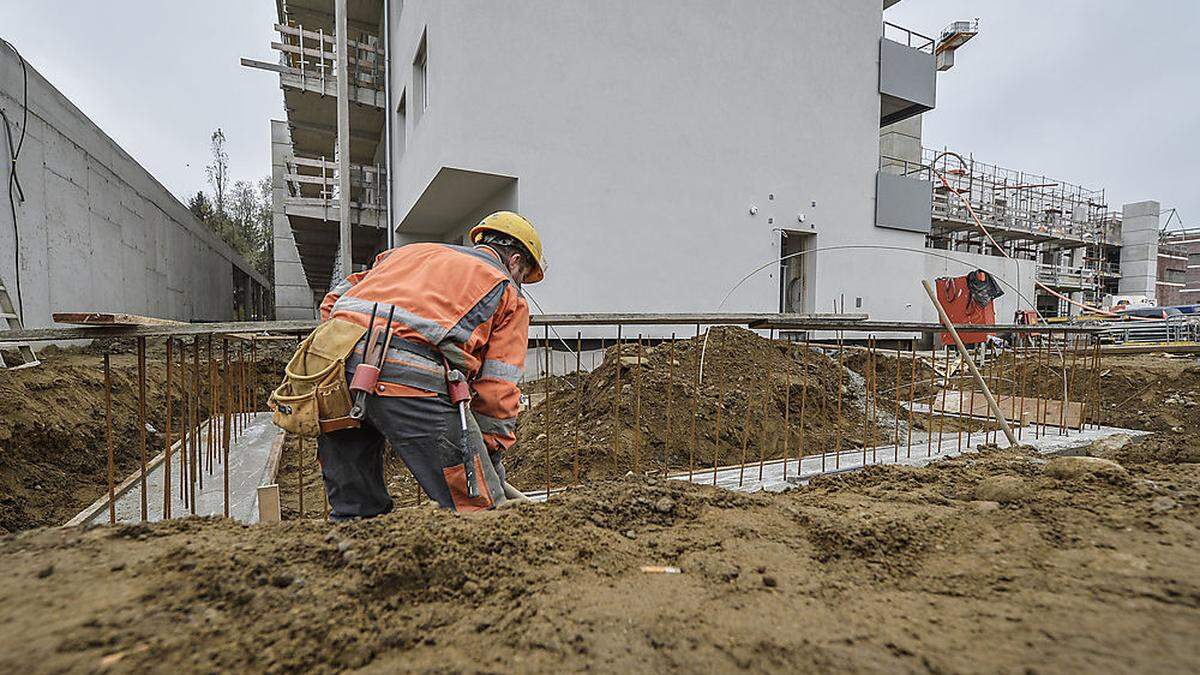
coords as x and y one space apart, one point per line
159 76
1103 93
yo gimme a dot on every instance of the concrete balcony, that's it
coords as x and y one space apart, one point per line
907 74
903 195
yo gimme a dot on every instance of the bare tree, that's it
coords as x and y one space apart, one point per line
218 171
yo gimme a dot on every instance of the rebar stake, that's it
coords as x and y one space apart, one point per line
616 439
837 447
787 400
167 432
695 437
666 453
227 419
578 404
546 404
112 503
720 402
637 409
299 445
896 395
141 363
803 401
932 399
912 393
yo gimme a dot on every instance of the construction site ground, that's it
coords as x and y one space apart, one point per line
998 560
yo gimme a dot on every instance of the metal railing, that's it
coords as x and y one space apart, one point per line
1062 275
680 407
907 37
1171 329
1018 200
898 166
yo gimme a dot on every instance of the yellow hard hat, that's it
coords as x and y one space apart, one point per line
515 226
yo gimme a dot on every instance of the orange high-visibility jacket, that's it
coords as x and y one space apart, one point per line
451 301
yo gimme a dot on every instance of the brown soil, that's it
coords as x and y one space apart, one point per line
1155 392
53 452
985 562
881 369
886 569
750 383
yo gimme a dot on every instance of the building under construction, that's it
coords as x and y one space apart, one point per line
1080 247
403 129
750 293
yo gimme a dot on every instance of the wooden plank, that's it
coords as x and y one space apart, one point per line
327 37
111 319
783 322
846 322
1027 407
329 57
260 337
271 472
269 509
684 318
328 165
273 67
92 332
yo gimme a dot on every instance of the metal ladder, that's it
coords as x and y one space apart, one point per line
9 313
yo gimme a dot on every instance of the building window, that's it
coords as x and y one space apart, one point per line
401 125
421 79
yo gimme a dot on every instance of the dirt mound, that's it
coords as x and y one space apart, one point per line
1154 392
1168 447
750 386
889 568
53 452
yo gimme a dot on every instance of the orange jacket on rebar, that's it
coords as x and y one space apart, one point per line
455 302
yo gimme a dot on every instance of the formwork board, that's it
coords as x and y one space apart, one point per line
1023 409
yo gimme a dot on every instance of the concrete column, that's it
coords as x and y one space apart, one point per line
1139 248
388 115
293 297
343 139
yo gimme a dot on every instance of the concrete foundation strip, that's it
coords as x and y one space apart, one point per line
101 504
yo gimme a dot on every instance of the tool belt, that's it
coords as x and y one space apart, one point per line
314 397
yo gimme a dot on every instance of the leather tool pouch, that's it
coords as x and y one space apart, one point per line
314 397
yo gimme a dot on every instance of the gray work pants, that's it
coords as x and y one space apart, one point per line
427 435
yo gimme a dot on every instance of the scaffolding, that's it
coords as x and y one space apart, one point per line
1065 228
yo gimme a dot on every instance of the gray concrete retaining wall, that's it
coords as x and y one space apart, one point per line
97 231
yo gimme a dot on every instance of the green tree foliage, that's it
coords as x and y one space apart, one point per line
240 214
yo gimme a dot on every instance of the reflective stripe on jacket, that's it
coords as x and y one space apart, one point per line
459 300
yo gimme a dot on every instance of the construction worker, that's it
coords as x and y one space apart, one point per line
456 308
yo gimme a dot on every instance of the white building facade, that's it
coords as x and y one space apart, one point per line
666 150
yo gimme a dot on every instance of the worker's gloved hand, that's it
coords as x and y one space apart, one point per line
513 497
514 494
